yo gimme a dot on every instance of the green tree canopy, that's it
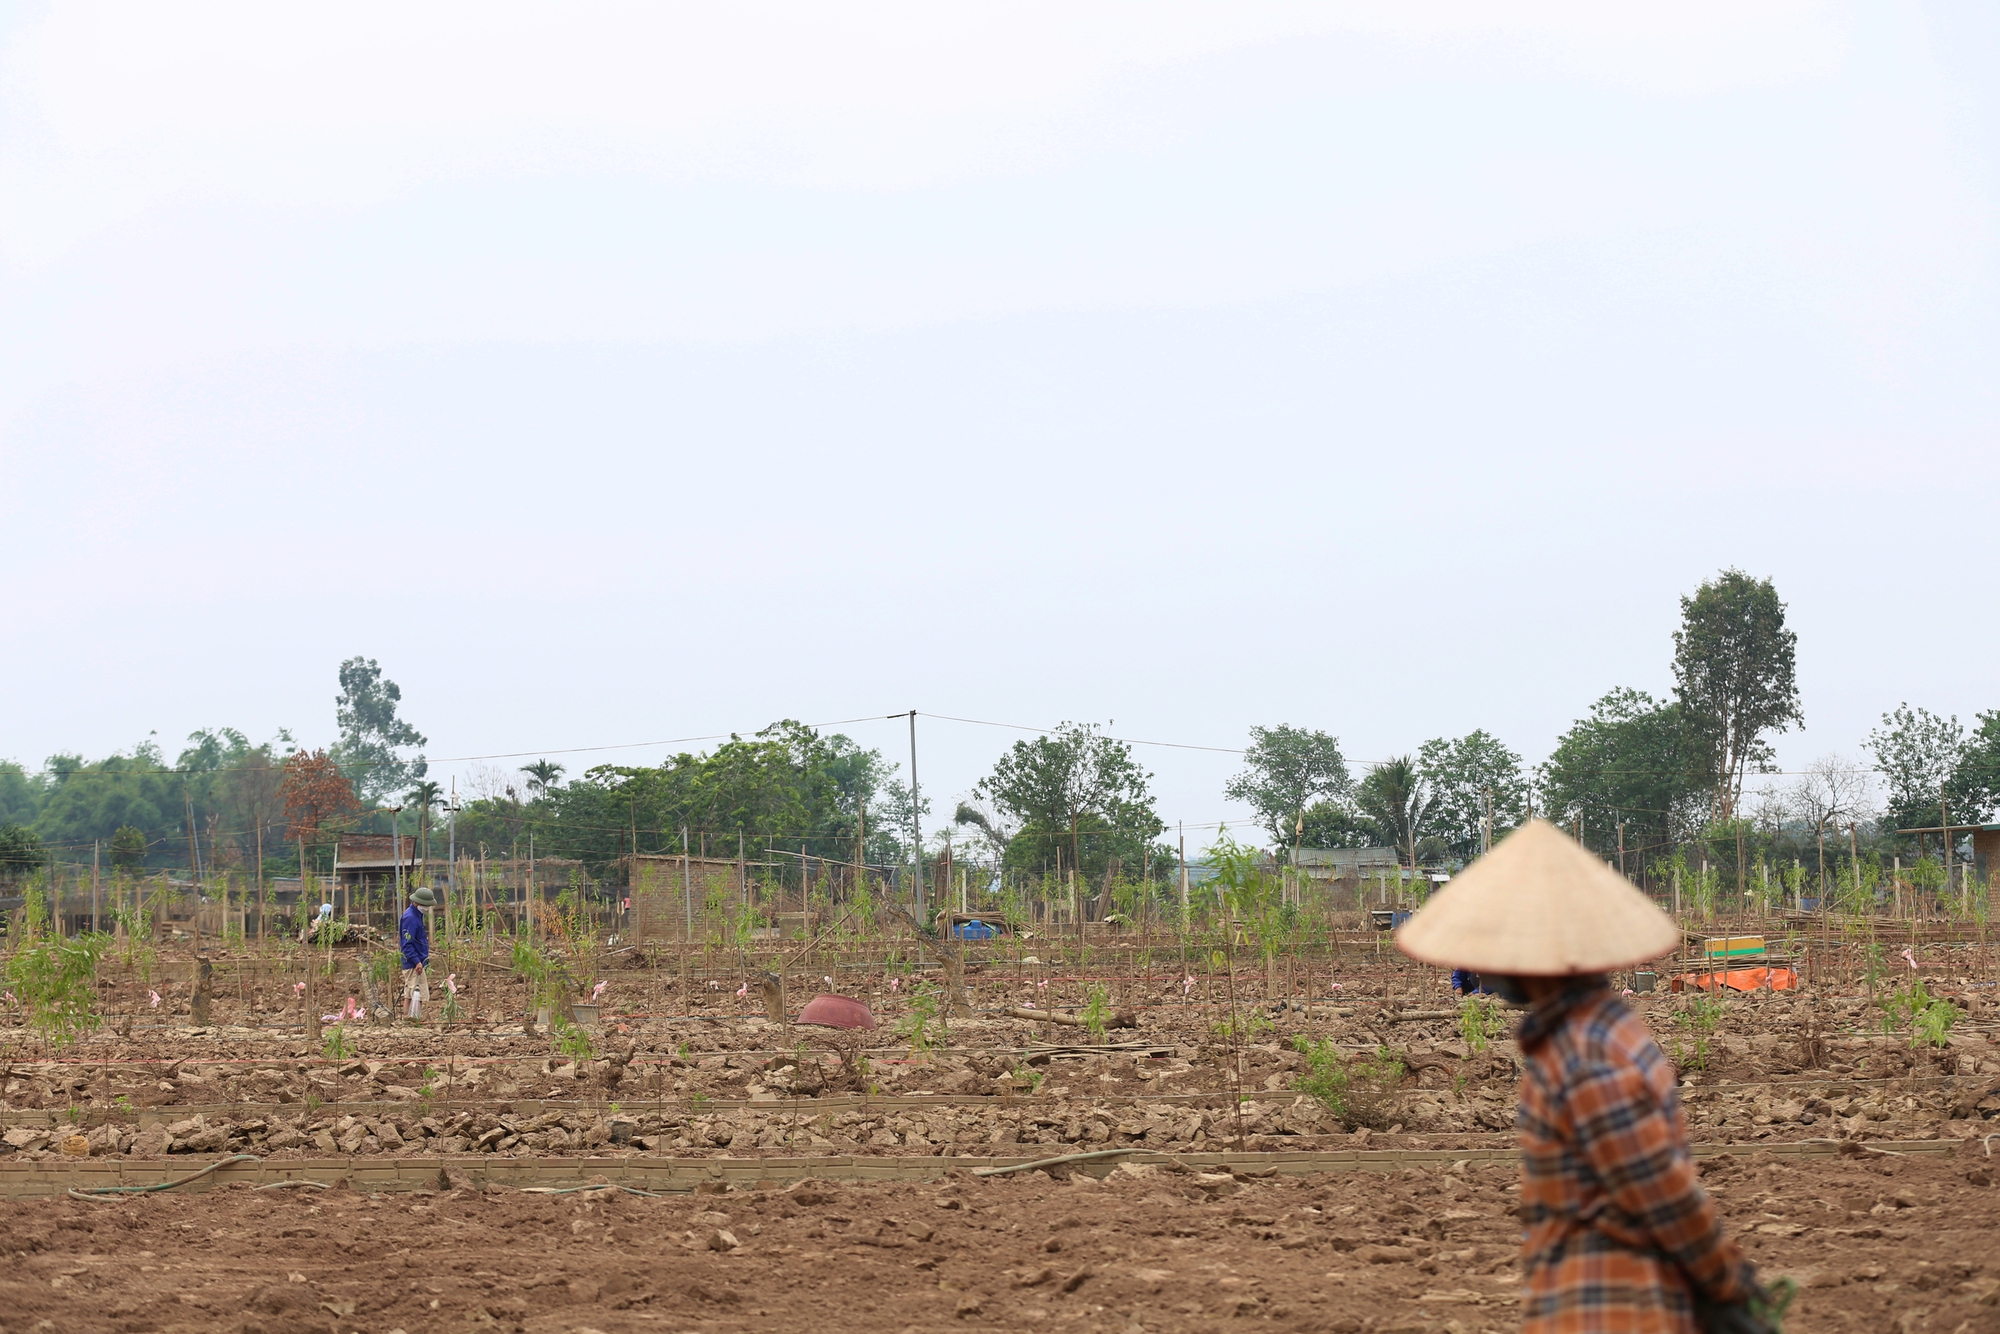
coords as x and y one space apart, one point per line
1287 770
372 737
786 786
20 795
1076 791
1735 678
1978 778
20 850
1630 760
128 848
1463 776
1337 823
1398 800
1928 765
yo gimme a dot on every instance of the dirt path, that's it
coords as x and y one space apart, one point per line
1881 1244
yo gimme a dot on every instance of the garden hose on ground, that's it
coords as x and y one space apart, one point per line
103 1192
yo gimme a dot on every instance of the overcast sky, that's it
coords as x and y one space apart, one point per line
616 374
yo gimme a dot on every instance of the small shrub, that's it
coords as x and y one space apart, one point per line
1353 1089
1930 1017
53 980
1096 1015
924 1010
1480 1022
570 1039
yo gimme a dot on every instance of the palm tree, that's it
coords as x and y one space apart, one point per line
424 796
1395 796
542 776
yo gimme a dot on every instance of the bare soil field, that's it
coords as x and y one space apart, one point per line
686 1061
1878 1242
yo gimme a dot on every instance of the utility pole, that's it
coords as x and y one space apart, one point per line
1184 876
396 850
687 882
451 852
1944 819
1621 847
916 821
1854 856
93 884
1486 819
194 857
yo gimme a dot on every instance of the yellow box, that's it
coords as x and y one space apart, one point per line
1733 947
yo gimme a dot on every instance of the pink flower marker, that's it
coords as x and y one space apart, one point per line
451 983
895 983
598 990
743 990
1908 957
156 998
298 988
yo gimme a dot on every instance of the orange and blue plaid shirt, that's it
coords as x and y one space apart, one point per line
1619 1233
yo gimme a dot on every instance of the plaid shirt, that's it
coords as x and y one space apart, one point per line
1619 1231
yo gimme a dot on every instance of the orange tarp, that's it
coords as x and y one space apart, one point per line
1739 979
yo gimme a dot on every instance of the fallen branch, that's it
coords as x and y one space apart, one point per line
1120 1019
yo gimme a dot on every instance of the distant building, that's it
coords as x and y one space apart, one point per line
1348 863
368 861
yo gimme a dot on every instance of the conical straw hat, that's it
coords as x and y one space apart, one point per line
1538 905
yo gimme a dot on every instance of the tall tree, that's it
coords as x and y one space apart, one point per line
1077 791
1338 823
1466 775
128 848
1736 678
20 796
20 850
542 776
1286 770
1628 762
372 737
1395 796
1922 758
315 794
1978 777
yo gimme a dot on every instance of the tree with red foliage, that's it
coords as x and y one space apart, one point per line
315 793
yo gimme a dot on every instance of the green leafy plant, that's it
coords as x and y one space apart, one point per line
1325 1080
53 981
1930 1017
1096 1013
924 1011
337 1047
571 1039
1700 1018
1349 1088
1246 1026
1480 1022
1030 1076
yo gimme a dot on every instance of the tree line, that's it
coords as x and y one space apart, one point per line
1635 778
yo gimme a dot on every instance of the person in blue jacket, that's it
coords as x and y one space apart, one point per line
416 938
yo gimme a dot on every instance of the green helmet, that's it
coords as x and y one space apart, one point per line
422 897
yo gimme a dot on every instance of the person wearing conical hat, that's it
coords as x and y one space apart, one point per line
1619 1234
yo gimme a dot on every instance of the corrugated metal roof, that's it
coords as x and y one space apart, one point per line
1349 859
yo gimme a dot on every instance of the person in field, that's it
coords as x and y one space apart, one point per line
416 939
1619 1236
